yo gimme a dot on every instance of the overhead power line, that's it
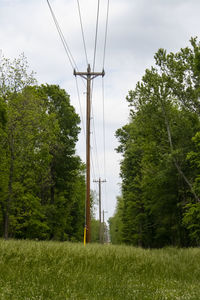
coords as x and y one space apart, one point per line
95 142
103 97
65 45
79 100
83 36
106 33
104 134
96 35
89 75
94 61
70 57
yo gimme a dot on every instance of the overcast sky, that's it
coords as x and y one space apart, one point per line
137 29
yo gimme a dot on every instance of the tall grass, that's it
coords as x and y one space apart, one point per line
59 271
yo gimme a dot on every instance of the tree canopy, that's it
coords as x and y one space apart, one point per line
160 149
42 185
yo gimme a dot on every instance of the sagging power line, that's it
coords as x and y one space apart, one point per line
82 31
89 75
65 45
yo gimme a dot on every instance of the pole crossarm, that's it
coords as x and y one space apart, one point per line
89 76
100 180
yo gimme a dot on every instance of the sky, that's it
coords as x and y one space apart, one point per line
136 30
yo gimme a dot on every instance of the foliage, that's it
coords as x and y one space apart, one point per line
115 223
191 220
158 178
14 75
42 186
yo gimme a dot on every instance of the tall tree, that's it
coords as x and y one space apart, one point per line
157 178
14 76
42 185
66 170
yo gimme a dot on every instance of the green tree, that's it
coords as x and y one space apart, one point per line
65 196
157 178
191 219
14 76
115 223
42 185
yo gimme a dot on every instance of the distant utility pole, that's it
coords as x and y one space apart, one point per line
89 76
100 224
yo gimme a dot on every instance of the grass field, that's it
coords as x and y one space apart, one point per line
58 271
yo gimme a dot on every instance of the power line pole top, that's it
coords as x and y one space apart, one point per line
89 74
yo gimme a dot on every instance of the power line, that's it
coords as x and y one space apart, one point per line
95 47
79 100
92 163
104 134
103 96
96 35
94 60
95 142
83 36
104 142
63 40
82 121
74 67
65 45
70 57
106 33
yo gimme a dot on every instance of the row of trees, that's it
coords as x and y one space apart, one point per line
42 185
160 169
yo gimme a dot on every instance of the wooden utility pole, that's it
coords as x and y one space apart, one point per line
89 76
100 223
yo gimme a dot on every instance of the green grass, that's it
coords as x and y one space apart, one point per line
58 271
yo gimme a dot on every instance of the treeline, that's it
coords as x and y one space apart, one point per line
42 185
160 169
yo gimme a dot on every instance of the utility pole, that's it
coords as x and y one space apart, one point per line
89 76
100 224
